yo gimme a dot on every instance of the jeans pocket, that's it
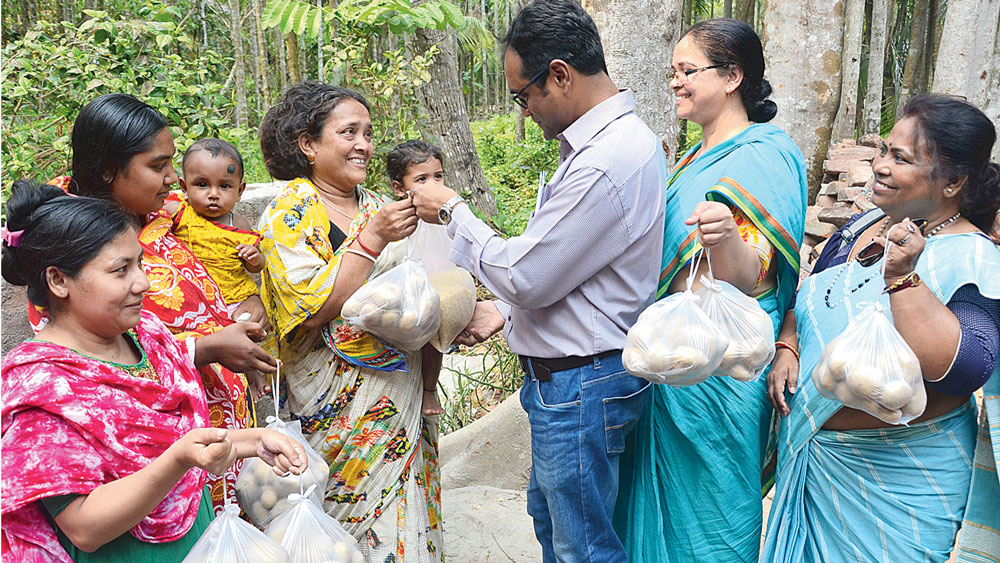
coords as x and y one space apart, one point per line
560 392
622 412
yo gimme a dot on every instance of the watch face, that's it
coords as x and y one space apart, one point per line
444 216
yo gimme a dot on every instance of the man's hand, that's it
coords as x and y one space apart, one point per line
486 321
429 198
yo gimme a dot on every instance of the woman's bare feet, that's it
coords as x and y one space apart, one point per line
430 405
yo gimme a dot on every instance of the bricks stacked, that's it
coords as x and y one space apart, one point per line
845 190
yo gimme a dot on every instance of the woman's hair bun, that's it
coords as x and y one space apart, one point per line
762 110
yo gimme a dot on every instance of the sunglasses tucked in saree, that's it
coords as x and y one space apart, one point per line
892 494
71 424
691 482
184 297
358 400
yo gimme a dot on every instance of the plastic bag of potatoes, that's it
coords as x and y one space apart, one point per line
263 495
748 328
458 302
871 368
311 535
228 539
674 342
399 306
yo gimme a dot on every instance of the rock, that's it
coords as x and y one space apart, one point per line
863 203
831 188
819 229
835 167
15 326
849 194
853 153
860 175
836 216
870 140
255 198
494 450
826 200
488 525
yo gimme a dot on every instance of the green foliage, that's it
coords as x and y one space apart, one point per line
476 393
692 136
56 68
368 17
512 169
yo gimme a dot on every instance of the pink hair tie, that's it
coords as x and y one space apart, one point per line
12 238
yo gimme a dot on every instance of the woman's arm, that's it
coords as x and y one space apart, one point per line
785 367
113 509
733 260
394 221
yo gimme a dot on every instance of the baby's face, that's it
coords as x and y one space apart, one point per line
213 184
417 175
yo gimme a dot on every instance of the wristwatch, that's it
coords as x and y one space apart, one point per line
444 214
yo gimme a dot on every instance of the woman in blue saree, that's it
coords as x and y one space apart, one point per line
849 486
691 478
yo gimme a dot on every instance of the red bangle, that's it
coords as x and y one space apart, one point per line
787 346
365 248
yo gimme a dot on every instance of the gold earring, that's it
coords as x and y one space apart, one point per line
311 159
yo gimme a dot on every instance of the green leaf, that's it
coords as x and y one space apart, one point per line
94 83
456 18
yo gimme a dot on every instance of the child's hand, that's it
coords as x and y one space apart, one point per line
281 452
249 254
207 448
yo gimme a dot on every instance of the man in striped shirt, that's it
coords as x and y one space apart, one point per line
573 283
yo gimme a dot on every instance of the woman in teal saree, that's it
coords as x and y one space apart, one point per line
850 487
691 478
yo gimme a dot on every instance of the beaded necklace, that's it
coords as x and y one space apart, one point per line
885 224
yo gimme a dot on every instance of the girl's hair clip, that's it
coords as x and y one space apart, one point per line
12 238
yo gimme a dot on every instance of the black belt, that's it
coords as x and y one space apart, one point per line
545 367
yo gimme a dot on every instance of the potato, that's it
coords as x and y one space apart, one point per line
367 309
257 512
268 498
824 379
634 360
351 308
895 394
864 381
343 550
843 394
892 416
387 295
740 373
917 404
837 364
658 359
407 321
389 319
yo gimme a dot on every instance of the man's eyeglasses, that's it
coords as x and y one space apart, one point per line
517 97
684 75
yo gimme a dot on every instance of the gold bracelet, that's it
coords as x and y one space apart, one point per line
787 346
909 280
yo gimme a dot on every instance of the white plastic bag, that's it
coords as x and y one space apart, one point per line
261 493
871 368
674 342
228 539
400 306
311 535
458 303
748 328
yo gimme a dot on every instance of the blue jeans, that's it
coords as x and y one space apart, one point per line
579 421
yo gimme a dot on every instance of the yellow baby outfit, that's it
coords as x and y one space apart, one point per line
215 246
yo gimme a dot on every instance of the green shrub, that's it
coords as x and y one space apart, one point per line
512 169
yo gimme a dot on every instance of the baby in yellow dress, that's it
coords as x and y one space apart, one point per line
222 239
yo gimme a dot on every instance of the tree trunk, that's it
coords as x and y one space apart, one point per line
872 117
292 55
990 96
203 24
319 47
967 56
239 76
29 15
930 43
802 43
743 10
638 38
262 62
66 10
914 56
850 62
727 8
448 120
278 43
